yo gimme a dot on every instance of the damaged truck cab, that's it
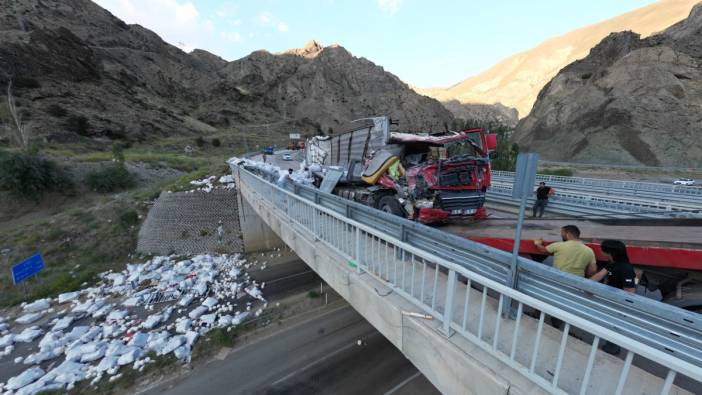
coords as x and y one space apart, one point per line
426 177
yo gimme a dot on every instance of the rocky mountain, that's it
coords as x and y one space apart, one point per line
484 114
79 71
630 101
516 81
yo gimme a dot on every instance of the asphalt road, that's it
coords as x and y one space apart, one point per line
317 356
284 277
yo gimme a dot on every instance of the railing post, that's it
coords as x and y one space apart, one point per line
448 307
358 250
315 222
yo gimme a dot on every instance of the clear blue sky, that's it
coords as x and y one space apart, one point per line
424 42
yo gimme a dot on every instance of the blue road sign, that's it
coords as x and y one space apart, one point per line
27 268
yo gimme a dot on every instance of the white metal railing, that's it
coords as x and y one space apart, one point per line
471 304
632 186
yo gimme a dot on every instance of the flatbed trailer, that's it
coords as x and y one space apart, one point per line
675 272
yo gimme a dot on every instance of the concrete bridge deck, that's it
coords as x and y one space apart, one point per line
481 352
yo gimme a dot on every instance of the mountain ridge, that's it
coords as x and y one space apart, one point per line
631 101
90 75
515 81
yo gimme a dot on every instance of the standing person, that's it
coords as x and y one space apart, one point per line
570 256
283 181
617 273
542 194
220 232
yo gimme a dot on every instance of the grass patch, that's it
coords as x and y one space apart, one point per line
313 294
166 159
564 172
162 364
219 337
111 178
76 245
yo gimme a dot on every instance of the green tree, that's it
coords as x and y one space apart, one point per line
118 153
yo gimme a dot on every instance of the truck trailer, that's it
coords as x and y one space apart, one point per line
428 177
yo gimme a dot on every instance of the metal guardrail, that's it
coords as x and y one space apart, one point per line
378 243
586 205
681 190
577 199
657 200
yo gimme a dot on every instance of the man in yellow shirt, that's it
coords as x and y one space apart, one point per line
570 255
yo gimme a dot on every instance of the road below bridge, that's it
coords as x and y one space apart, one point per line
320 355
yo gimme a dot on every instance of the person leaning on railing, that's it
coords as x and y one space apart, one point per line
618 273
570 255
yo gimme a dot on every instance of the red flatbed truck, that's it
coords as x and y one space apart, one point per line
675 272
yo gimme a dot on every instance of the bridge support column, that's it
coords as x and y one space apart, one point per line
256 234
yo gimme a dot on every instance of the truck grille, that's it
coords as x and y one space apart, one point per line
450 201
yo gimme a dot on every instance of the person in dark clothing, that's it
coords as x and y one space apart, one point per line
617 273
542 194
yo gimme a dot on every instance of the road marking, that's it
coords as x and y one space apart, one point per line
287 277
294 326
402 384
309 365
256 341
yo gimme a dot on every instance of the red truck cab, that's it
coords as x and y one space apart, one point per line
447 175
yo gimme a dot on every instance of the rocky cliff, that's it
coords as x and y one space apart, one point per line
516 81
79 71
630 101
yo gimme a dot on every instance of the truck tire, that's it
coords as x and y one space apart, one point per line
389 204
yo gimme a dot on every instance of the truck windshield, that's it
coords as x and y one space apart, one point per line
464 147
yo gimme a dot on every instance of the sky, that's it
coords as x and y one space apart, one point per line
427 43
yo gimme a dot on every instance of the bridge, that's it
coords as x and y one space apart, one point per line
443 301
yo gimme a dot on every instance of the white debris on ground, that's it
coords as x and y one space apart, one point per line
208 184
299 176
95 332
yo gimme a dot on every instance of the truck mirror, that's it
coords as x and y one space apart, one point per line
491 140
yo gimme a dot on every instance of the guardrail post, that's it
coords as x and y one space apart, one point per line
448 307
403 233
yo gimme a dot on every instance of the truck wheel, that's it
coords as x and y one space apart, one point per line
389 204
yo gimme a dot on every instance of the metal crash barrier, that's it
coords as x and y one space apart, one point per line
462 285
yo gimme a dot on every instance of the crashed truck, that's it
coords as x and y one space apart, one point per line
426 177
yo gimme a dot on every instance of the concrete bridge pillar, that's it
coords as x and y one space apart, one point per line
256 234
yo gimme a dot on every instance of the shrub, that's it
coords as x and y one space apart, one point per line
128 217
118 153
111 178
31 176
56 111
117 134
216 142
78 124
565 172
199 141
